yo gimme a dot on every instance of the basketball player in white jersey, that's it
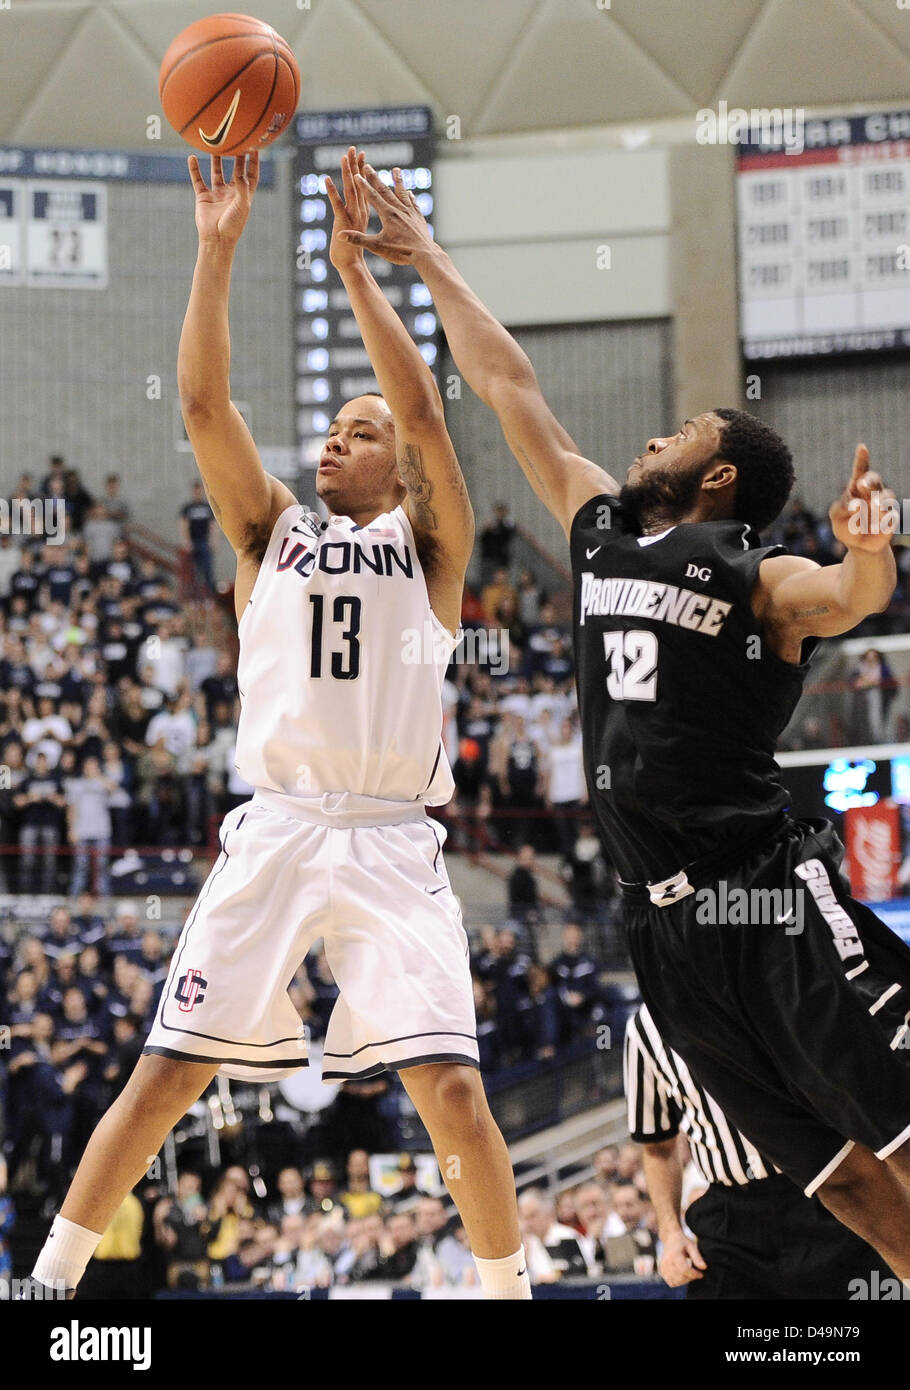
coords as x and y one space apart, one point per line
346 629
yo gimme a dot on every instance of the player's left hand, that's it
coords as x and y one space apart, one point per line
403 233
352 212
864 517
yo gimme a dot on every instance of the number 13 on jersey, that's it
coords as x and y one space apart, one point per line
632 659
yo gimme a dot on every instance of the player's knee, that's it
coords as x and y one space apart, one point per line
158 1083
457 1100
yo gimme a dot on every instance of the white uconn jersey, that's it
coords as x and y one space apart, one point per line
341 664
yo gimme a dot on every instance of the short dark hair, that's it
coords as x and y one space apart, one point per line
763 463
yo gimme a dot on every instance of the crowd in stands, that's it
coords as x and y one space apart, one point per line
328 1226
117 711
79 995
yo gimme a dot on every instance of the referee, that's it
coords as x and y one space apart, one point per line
757 1235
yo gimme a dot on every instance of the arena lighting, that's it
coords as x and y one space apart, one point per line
900 780
844 783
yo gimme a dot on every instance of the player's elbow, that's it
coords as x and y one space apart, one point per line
516 378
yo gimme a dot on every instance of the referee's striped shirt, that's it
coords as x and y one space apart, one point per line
663 1098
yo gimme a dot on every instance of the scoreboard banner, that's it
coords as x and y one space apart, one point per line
331 364
824 239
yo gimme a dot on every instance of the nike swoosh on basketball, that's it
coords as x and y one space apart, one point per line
591 553
219 136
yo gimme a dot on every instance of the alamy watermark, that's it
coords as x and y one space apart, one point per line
429 646
34 516
773 126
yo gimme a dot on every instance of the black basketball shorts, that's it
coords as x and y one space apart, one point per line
789 1000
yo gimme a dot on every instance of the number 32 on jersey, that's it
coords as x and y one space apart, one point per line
632 659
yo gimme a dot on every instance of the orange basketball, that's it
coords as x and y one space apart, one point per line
229 84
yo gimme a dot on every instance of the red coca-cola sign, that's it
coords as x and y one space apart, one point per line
872 839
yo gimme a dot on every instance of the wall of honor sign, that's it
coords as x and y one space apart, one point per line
824 237
331 365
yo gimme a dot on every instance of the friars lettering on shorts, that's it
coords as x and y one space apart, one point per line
190 990
345 557
651 598
843 929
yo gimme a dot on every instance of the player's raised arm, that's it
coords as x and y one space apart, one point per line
488 357
796 598
244 498
437 502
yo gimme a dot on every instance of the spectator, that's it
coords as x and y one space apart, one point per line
358 1197
591 1207
874 687
497 538
366 1239
89 825
322 1188
292 1199
78 499
552 1249
99 532
575 974
408 1191
402 1248
181 1230
498 592
539 1018
117 510
40 802
197 536
524 896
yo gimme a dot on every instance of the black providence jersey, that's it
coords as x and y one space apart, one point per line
681 701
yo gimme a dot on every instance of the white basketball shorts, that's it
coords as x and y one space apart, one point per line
291 871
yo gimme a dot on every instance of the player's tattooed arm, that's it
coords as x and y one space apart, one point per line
417 485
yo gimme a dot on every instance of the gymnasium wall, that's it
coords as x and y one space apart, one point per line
74 364
824 409
604 382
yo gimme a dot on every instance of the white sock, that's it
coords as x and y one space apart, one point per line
65 1253
506 1278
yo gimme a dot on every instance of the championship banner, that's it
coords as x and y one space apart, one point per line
872 839
11 238
66 235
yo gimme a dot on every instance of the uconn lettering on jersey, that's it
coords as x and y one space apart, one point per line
344 557
649 598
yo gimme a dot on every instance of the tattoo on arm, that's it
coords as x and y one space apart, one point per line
818 612
534 473
418 485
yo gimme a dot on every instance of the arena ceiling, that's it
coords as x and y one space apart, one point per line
84 74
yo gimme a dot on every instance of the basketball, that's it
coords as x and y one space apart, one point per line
229 84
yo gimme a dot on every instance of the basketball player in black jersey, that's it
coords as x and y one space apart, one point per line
692 642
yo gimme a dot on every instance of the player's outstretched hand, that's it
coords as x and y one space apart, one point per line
223 208
403 233
352 212
864 517
681 1261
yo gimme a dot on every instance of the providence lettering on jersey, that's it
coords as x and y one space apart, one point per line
665 603
331 698
680 698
